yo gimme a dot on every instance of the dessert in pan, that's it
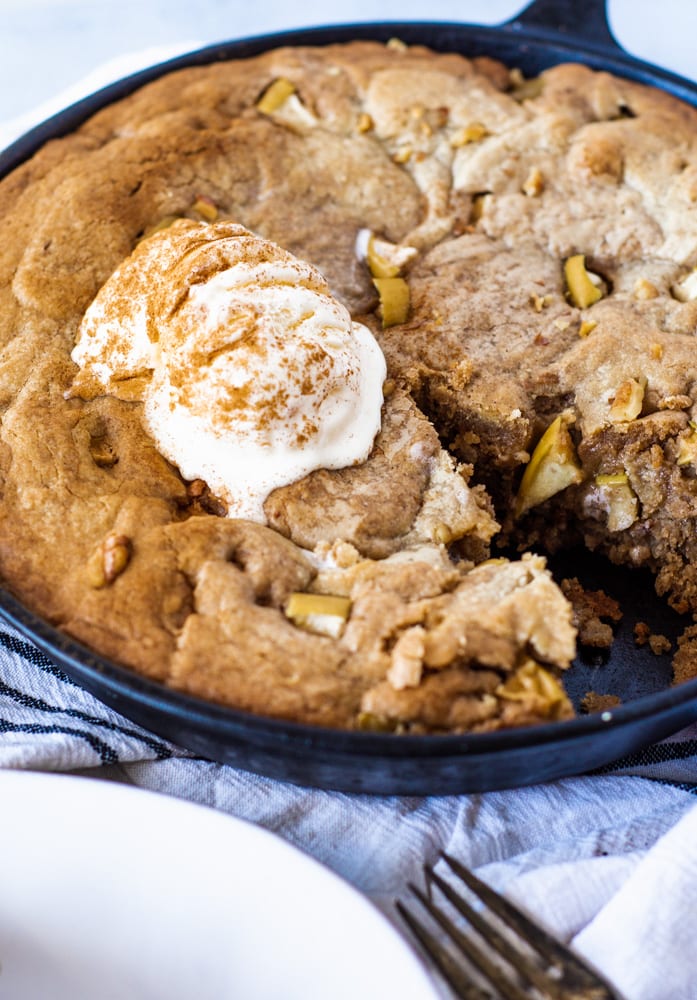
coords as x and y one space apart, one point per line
295 347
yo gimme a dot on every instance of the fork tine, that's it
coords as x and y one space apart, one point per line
523 964
492 972
460 984
575 977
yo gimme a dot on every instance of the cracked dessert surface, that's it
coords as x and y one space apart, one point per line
478 192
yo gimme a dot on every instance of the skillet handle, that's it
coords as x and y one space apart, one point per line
586 22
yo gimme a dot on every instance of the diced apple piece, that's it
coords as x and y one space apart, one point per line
385 259
323 613
687 447
532 683
586 327
621 500
394 300
276 94
206 207
583 290
281 102
552 467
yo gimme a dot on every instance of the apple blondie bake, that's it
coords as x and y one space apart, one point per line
291 347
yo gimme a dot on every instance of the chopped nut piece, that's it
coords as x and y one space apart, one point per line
403 155
644 289
540 302
628 401
117 555
322 613
535 183
583 291
365 123
470 133
442 534
586 327
532 683
394 300
202 500
276 94
553 467
109 560
657 351
206 207
686 290
620 500
407 662
562 324
396 45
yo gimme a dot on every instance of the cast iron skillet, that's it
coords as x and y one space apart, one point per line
547 32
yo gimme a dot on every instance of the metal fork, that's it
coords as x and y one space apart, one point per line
535 965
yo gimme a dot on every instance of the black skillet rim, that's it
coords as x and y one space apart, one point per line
532 50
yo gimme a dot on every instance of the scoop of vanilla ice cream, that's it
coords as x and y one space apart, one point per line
251 374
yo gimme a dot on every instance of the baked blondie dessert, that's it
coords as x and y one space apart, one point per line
291 347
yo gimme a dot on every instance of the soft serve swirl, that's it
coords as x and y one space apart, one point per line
251 374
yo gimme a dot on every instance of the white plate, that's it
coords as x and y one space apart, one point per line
109 892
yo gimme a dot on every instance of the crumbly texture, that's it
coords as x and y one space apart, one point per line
593 612
657 643
685 659
492 190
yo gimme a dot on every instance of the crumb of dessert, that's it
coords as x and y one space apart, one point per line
594 702
642 633
590 608
685 657
657 643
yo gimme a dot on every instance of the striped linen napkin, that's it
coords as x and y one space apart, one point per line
47 721
598 858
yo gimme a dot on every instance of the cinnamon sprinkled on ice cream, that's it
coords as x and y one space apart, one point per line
251 373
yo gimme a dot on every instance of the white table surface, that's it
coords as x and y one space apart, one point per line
46 46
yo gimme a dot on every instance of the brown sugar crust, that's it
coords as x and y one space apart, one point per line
493 191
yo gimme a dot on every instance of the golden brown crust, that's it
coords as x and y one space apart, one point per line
493 190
